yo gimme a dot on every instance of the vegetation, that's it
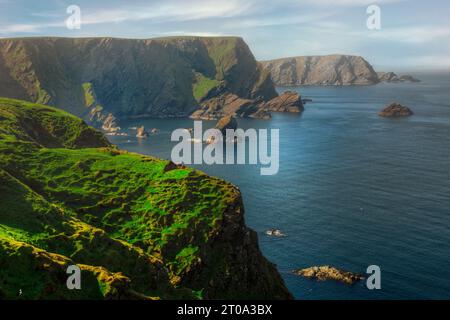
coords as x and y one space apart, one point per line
134 224
88 94
202 86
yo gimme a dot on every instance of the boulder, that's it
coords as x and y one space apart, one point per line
322 273
395 110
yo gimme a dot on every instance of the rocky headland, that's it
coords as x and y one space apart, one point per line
328 70
321 70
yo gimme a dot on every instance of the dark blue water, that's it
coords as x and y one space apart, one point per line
353 189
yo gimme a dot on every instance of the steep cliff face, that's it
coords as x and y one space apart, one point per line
165 77
138 227
321 70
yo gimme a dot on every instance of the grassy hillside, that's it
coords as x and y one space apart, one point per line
138 227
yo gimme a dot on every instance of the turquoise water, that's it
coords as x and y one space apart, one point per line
353 189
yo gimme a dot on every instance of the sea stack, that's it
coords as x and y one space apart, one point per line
141 133
395 110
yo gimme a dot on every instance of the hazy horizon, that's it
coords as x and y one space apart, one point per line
413 35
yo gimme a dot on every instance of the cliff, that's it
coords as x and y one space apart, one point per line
138 227
321 70
164 77
393 77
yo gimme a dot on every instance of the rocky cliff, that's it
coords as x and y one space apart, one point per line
164 77
138 227
393 77
321 70
331 70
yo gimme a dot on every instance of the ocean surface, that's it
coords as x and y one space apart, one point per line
353 189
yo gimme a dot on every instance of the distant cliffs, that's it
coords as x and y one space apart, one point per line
393 77
329 70
164 77
321 70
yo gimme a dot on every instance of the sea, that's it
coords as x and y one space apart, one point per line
353 189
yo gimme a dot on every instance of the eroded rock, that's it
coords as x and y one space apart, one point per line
395 110
322 273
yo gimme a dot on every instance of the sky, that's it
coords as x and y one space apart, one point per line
413 34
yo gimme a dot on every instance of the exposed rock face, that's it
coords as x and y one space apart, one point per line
286 102
227 122
109 124
230 104
395 110
164 77
322 273
393 77
141 133
321 70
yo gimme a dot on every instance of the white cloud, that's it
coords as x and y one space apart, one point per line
169 11
412 34
27 28
347 3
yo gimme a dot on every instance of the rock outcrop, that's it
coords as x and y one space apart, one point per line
227 122
321 70
288 101
164 77
230 104
138 227
392 77
395 110
141 133
322 273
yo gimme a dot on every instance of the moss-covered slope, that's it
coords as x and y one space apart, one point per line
138 227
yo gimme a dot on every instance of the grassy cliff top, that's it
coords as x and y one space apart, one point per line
135 224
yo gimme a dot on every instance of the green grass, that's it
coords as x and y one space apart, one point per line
135 227
89 98
202 86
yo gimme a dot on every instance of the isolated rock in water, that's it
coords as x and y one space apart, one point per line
392 77
288 101
141 133
275 233
395 110
322 273
227 122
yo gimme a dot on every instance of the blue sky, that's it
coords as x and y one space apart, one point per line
414 34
